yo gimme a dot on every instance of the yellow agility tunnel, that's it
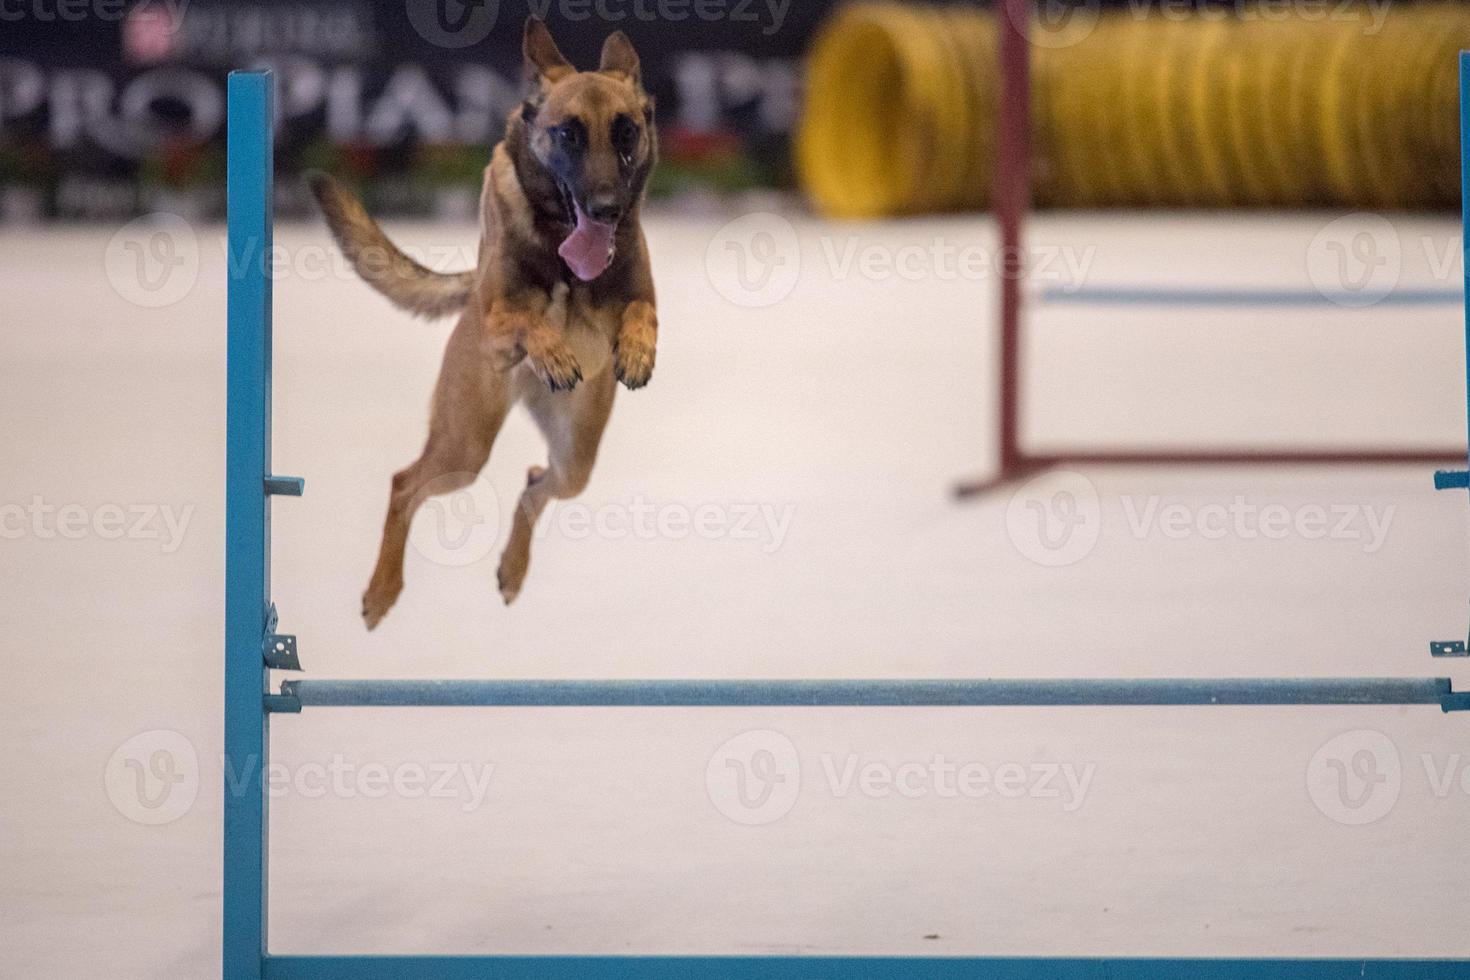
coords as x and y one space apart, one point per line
1328 106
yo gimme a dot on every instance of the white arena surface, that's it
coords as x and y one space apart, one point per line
776 504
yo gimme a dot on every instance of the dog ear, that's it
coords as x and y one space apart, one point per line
619 58
543 60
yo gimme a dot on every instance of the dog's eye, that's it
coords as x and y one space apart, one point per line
625 138
569 135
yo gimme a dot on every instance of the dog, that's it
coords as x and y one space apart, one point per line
558 309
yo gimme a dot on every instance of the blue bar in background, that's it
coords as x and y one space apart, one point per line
1207 296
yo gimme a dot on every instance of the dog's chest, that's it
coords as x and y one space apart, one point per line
590 327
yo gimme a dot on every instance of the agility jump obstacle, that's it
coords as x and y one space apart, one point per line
253 648
1012 203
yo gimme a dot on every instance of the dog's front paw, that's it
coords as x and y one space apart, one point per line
633 361
556 366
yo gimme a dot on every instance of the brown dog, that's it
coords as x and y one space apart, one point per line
560 303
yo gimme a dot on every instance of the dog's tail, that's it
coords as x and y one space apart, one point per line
382 264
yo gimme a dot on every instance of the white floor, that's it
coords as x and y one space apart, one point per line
838 417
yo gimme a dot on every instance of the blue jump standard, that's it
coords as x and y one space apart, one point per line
251 642
863 693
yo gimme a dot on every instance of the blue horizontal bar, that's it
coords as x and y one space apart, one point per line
847 968
1451 479
1166 296
862 693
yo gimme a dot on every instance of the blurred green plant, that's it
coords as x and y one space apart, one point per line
26 162
450 163
182 164
713 161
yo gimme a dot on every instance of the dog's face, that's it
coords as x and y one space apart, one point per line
593 133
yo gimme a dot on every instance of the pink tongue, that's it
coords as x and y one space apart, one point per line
588 249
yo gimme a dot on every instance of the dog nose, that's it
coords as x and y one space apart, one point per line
604 208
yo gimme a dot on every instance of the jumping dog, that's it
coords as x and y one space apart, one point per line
558 308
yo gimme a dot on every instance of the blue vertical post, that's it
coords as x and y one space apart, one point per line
1465 216
247 523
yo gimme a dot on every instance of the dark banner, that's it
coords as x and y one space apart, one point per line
114 107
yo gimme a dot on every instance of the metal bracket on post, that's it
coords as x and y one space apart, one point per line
1453 701
285 486
279 649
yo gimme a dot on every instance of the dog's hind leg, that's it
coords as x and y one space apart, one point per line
470 405
573 423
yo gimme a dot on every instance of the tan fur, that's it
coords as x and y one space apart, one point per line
382 264
528 331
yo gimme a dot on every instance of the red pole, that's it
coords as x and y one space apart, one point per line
1011 200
